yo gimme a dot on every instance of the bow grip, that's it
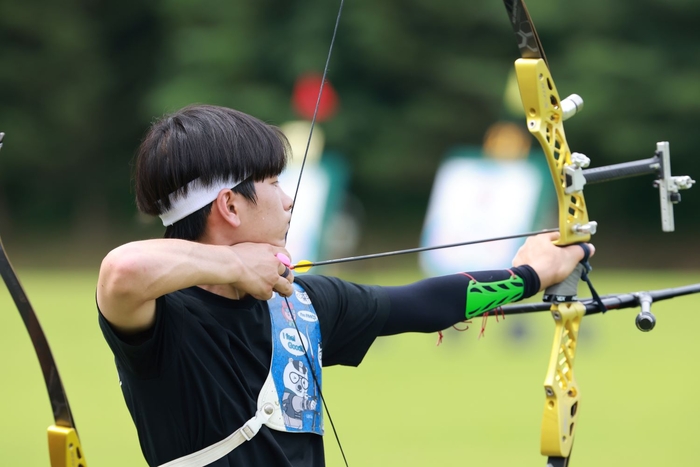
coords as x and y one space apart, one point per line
566 291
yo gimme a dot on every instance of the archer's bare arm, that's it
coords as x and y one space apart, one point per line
134 275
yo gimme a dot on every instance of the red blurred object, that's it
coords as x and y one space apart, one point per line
305 95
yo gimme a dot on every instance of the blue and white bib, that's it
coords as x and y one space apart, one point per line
293 385
290 399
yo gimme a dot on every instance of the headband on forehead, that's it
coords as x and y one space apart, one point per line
198 195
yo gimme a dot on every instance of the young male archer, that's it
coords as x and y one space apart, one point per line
205 349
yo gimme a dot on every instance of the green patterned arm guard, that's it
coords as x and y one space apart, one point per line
485 296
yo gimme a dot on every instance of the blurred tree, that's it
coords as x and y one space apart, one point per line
417 77
72 74
80 81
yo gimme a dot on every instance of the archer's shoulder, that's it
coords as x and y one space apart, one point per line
311 282
336 292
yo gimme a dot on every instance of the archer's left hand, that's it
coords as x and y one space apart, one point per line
552 263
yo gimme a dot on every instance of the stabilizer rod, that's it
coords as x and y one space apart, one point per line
611 302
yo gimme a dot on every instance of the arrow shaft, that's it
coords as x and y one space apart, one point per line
420 249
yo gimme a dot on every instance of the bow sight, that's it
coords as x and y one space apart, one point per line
669 193
668 185
660 164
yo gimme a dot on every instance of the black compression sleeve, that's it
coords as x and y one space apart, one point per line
437 303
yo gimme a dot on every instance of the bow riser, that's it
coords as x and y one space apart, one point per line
561 390
545 121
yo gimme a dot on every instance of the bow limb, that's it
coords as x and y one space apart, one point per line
64 445
545 116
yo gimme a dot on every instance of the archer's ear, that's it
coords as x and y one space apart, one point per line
227 207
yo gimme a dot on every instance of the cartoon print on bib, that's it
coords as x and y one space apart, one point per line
296 361
296 400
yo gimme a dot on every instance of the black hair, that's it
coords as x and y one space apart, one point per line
210 143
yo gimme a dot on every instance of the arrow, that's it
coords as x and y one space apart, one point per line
305 265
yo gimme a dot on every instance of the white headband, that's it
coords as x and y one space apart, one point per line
198 196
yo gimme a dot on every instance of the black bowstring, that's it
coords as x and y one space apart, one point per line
318 104
296 192
318 386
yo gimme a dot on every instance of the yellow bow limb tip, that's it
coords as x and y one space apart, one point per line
64 447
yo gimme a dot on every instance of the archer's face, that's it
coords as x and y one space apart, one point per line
267 221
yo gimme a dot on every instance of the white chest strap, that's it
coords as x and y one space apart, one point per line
268 413
218 450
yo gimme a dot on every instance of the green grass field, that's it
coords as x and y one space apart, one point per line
468 402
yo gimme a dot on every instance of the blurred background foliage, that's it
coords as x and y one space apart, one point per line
81 80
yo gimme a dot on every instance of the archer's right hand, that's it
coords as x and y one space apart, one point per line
261 271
